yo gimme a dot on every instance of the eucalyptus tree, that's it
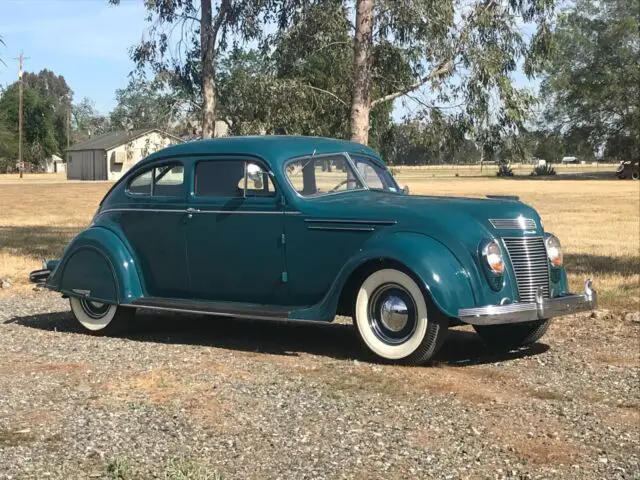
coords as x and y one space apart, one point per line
593 82
461 52
185 37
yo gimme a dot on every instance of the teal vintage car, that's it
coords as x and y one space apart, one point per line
303 228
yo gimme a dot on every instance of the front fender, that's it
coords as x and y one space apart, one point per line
97 265
441 274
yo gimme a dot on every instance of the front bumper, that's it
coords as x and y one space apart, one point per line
541 309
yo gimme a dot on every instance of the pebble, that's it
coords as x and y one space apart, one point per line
202 396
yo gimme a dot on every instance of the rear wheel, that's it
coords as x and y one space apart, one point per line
395 320
510 336
100 318
635 175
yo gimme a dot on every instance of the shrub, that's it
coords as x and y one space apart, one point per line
543 170
504 170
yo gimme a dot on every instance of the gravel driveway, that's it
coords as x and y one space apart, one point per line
194 397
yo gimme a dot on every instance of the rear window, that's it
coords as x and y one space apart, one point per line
162 181
226 178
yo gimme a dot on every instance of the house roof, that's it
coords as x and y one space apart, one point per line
114 139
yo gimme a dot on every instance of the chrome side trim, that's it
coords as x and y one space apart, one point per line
541 309
342 229
193 210
202 312
519 223
346 220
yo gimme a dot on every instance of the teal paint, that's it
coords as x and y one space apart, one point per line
284 250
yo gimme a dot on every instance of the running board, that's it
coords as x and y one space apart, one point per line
222 309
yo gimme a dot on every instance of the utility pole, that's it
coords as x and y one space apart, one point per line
21 60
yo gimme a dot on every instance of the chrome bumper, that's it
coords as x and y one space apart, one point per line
542 308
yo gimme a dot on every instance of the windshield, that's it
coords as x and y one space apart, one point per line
323 175
375 175
317 176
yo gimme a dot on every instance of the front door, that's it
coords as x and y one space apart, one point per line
235 243
154 224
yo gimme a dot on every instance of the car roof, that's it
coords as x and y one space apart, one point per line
273 148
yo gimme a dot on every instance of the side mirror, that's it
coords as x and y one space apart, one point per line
405 190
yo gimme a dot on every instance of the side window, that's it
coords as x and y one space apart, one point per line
141 185
258 182
226 178
163 181
169 181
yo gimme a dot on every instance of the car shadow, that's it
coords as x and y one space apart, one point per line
336 340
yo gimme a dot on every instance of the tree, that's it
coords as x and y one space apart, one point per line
86 121
188 62
54 89
145 104
300 84
39 129
463 52
593 76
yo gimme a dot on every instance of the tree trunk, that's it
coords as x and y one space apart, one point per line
207 56
361 100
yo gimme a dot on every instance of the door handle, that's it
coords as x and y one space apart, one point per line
191 211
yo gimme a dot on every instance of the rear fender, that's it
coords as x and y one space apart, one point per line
97 265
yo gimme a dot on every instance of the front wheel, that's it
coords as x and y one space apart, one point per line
515 335
395 320
100 318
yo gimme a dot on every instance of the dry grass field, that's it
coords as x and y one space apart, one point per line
598 222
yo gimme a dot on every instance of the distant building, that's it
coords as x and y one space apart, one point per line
54 164
109 156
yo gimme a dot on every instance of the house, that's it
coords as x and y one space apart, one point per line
109 156
54 164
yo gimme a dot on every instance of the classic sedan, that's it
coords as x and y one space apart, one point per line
303 228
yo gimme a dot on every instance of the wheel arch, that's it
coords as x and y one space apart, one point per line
97 265
441 276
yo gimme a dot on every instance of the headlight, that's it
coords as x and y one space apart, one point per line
492 256
554 250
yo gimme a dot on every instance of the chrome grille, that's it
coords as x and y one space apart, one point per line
529 260
519 223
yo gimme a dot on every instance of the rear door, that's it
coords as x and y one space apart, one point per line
235 233
154 224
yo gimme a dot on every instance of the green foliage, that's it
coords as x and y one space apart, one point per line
437 141
182 469
53 89
86 121
543 170
301 85
39 133
593 80
143 104
119 469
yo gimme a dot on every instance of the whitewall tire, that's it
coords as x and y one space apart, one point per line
100 318
395 320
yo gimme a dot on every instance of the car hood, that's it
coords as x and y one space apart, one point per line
445 218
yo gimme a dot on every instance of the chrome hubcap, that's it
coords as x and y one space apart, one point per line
94 309
392 314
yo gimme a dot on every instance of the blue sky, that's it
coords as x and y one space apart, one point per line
88 42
